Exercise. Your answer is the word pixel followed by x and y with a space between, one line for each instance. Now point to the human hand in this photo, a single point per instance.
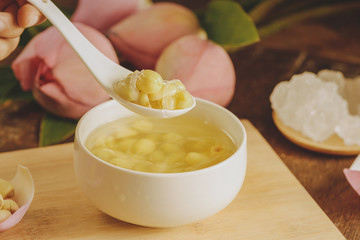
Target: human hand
pixel 15 16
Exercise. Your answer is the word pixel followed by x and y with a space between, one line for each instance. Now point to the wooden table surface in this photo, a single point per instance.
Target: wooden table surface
pixel 331 42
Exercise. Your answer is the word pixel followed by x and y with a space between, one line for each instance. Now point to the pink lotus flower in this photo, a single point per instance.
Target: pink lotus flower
pixel 353 177
pixel 142 36
pixel 105 13
pixel 204 67
pixel 59 80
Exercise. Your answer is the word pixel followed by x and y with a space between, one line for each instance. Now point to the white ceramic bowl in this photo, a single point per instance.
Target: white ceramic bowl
pixel 159 199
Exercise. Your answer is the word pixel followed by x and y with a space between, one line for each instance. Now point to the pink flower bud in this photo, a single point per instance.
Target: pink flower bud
pixel 59 80
pixel 105 13
pixel 142 36
pixel 204 67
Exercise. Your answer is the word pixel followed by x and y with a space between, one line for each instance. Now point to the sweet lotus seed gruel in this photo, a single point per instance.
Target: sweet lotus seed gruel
pixel 148 89
pixel 161 145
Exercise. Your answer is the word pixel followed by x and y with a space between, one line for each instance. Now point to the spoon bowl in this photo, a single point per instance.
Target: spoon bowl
pixel 105 71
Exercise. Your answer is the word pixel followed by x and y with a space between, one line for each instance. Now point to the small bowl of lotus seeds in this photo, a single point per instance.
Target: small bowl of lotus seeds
pixel 8 205
pixel 160 172
pixel 16 196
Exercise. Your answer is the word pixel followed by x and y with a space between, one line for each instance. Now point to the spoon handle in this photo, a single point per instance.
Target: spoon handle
pixel 103 68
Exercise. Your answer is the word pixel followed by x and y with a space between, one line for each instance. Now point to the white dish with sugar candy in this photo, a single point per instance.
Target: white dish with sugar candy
pixel 320 111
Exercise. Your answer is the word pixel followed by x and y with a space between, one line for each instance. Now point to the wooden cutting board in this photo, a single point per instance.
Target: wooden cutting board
pixel 271 205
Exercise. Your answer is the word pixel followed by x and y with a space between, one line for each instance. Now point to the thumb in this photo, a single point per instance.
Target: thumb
pixel 29 16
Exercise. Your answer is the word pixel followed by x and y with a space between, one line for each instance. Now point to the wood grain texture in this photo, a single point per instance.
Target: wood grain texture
pixel 271 205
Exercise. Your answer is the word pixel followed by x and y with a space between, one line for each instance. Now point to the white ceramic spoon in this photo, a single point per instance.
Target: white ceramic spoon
pixel 105 71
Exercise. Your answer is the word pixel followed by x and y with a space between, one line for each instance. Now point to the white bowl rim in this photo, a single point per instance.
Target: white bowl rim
pixel 161 175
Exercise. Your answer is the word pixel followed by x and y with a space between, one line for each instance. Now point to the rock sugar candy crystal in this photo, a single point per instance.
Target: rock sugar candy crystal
pixel 320 105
